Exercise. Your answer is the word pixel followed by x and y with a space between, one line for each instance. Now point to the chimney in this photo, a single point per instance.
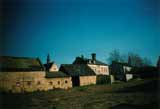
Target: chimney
pixel 82 56
pixel 93 56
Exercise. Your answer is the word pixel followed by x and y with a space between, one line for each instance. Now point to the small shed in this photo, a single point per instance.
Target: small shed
pixel 58 80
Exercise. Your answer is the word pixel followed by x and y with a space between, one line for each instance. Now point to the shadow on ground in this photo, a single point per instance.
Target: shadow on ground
pixel 132 106
pixel 151 86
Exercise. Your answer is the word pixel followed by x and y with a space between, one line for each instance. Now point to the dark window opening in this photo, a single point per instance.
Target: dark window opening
pixel 66 81
pixel 17 83
pixel 38 83
pixel 50 82
pixel 29 83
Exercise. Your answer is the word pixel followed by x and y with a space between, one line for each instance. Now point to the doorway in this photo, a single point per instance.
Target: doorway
pixel 75 81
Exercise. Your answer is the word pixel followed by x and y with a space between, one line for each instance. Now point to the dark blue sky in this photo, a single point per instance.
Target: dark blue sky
pixel 69 28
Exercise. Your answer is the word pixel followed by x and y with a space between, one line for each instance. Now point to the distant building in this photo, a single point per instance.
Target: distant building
pixel 145 72
pixel 121 71
pixel 23 74
pixel 158 64
pixel 50 66
pixel 97 66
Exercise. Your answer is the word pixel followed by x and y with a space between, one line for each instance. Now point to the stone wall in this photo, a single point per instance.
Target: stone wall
pixel 31 81
pixel 103 79
pixel 58 83
pixel 87 80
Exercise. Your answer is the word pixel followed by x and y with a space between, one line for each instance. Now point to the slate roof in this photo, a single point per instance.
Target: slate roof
pixel 80 60
pixel 99 63
pixel 120 63
pixel 146 69
pixel 77 70
pixel 56 74
pixel 8 63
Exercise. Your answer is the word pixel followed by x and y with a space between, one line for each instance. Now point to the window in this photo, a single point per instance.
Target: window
pixel 29 83
pixel 17 83
pixel 38 83
pixel 58 82
pixel 50 82
pixel 66 81
pixel 102 70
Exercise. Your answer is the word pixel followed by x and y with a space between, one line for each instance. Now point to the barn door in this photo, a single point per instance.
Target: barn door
pixel 75 81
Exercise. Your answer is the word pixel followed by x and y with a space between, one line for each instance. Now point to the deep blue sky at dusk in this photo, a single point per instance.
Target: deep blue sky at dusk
pixel 69 28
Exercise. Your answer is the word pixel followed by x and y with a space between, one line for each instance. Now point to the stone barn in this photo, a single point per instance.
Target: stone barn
pixel 81 74
pixel 21 74
pixel 58 80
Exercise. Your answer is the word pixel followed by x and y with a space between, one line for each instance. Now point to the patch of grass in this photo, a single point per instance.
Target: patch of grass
pixel 81 88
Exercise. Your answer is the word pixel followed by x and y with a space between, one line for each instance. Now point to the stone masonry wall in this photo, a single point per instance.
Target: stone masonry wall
pixel 87 80
pixel 31 81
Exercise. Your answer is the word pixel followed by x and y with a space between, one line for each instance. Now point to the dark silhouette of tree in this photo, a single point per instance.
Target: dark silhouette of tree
pixel 116 56
pixel 147 62
pixel 138 61
pixel 132 59
pixel 135 59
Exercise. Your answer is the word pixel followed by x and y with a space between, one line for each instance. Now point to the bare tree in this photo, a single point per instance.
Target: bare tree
pixel 134 59
pixel 138 61
pixel 116 56
pixel 146 62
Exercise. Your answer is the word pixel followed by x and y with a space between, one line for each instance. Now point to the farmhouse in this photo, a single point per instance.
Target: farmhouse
pixel 86 71
pixel 121 71
pixel 23 74
pixel 97 66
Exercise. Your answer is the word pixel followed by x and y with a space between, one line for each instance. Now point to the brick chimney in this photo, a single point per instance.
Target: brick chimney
pixel 93 58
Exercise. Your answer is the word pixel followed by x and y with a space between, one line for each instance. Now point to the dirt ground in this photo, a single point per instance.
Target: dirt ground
pixel 136 94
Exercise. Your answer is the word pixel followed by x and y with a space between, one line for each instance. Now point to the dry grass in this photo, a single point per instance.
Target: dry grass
pixel 90 97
